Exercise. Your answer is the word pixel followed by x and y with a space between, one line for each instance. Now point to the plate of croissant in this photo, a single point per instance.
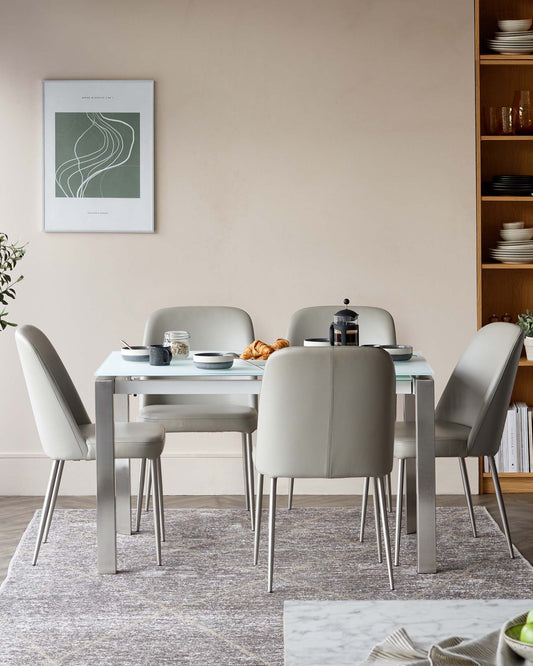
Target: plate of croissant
pixel 261 351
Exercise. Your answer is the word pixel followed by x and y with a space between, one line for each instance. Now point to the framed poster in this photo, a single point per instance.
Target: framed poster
pixel 98 156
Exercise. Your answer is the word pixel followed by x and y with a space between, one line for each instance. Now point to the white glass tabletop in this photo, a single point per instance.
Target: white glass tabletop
pixel 115 366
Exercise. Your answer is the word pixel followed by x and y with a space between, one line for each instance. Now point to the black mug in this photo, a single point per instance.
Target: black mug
pixel 160 355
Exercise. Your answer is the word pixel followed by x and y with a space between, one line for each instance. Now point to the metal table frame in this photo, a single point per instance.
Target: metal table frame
pixel 113 483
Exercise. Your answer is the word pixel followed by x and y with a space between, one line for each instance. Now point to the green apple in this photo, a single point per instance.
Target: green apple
pixel 526 634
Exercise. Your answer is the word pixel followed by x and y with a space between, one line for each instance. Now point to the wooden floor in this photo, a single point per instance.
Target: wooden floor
pixel 16 513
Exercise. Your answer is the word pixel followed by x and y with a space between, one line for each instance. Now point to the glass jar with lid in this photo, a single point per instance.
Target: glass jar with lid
pixel 179 343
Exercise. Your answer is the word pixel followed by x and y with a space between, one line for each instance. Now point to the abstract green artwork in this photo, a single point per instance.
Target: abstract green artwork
pixel 97 155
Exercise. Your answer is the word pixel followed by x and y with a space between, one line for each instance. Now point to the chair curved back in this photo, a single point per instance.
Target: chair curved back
pixel 376 326
pixel 327 413
pixel 56 404
pixel 480 387
pixel 212 328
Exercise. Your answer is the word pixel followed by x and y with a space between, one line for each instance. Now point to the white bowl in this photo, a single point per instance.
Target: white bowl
pixel 316 342
pixel 213 360
pixel 513 225
pixel 517 234
pixel 511 635
pixel 137 353
pixel 514 25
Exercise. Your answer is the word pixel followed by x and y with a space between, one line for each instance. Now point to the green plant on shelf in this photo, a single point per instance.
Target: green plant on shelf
pixel 525 321
pixel 10 255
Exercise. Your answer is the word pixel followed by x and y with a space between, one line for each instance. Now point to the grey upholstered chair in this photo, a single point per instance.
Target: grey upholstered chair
pixel 325 413
pixel 376 327
pixel 470 415
pixel 65 429
pixel 211 328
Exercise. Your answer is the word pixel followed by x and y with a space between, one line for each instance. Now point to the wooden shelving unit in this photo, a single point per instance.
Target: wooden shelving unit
pixel 502 288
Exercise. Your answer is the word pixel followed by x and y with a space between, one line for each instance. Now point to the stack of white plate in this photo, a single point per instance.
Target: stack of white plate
pixel 516 246
pixel 508 43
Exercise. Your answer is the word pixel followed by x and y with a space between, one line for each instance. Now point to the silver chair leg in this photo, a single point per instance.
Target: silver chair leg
pixel 157 509
pixel 161 504
pixel 271 530
pixel 250 478
pixel 258 509
pixel 468 495
pixel 142 476
pixel 364 505
pixel 399 507
pixel 378 526
pixel 501 505
pixel 53 502
pixel 385 524
pixel 290 493
pixel 148 492
pixel 45 509
pixel 245 472
pixel 389 493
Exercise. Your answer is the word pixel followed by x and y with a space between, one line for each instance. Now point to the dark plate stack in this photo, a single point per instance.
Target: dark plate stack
pixel 512 186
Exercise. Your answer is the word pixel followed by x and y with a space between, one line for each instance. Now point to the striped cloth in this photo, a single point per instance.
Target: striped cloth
pixel 488 650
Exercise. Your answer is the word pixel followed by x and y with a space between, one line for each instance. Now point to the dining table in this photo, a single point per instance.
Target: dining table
pixel 117 378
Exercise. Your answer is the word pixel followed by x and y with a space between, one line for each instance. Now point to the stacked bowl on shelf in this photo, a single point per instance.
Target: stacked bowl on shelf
pixel 513 38
pixel 516 246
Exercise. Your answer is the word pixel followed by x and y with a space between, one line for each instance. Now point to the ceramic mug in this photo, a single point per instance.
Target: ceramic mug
pixel 160 355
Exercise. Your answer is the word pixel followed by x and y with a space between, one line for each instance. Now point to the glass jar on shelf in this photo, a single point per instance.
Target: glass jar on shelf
pixel 179 343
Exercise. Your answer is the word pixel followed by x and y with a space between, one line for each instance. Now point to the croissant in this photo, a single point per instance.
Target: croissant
pixel 260 348
pixel 280 344
pixel 247 353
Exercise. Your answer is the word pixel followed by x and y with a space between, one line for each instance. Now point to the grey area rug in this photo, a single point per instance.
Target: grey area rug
pixel 207 604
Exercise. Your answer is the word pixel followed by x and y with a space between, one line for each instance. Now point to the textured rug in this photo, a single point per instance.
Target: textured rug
pixel 207 604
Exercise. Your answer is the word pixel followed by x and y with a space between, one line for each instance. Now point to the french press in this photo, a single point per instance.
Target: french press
pixel 344 331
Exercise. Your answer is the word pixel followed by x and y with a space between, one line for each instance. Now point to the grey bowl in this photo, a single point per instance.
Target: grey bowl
pixel 213 360
pixel 138 353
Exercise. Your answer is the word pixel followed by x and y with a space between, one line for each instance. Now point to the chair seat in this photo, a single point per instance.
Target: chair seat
pixel 450 439
pixel 132 440
pixel 201 418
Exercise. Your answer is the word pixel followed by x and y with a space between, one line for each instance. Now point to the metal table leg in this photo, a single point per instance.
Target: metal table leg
pixel 105 476
pixel 122 472
pixel 425 473
pixel 410 472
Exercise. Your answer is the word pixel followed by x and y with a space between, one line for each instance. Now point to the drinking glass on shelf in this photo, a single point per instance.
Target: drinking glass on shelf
pixel 523 112
pixel 500 120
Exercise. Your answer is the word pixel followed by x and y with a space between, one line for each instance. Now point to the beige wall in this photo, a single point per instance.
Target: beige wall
pixel 306 151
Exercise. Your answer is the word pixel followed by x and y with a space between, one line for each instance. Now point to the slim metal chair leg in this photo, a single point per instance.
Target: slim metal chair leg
pixel 245 472
pixel 399 507
pixel 161 503
pixel 501 505
pixel 157 508
pixel 148 493
pixel 290 493
pixel 271 530
pixel 53 502
pixel 378 526
pixel 385 524
pixel 468 495
pixel 389 493
pixel 363 508
pixel 250 477
pixel 258 509
pixel 142 476
pixel 45 509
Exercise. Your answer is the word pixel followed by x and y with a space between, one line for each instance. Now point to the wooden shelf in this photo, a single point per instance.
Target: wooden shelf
pixel 502 287
pixel 506 137
pixel 507 267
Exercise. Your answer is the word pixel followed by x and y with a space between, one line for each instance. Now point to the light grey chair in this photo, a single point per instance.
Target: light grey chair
pixel 325 413
pixel 65 429
pixel 376 327
pixel 212 328
pixel 470 415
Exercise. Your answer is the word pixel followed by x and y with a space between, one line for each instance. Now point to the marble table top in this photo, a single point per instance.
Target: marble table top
pixel 327 633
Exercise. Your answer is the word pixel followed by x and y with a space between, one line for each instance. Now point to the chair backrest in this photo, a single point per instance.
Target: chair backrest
pixel 327 412
pixel 376 326
pixel 480 387
pixel 212 328
pixel 56 404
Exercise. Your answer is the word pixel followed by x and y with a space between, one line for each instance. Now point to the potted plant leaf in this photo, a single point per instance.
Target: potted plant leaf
pixel 10 255
pixel 525 321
